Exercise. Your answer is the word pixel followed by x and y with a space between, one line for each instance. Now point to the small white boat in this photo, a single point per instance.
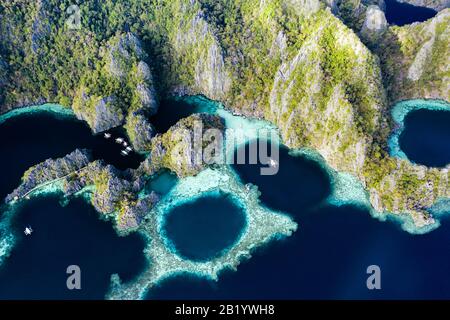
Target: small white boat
pixel 27 197
pixel 119 140
pixel 129 149
pixel 273 163
pixel 107 135
pixel 125 144
pixel 28 231
pixel 124 152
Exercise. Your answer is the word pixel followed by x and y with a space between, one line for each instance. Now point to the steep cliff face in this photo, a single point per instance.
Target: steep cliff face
pixel 103 77
pixel 305 71
pixel 353 12
pixel 112 193
pixel 374 26
pixel 122 84
pixel 416 59
pixel 182 148
pixel 291 62
pixel 194 61
pixel 329 96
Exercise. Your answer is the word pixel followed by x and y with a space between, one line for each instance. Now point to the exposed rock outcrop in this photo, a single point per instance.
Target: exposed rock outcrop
pixel 374 26
pixel 416 59
pixel 181 149
pixel 353 12
pixel 140 131
pixel 51 170
pixel 113 193
pixel 104 108
pixel 100 113
pixel 40 26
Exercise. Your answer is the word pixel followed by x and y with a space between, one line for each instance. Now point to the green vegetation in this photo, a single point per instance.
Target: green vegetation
pixel 303 70
pixel 414 59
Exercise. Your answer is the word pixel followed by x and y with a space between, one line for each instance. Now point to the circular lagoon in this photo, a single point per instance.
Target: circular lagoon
pixel 422 133
pixel 426 137
pixel 204 228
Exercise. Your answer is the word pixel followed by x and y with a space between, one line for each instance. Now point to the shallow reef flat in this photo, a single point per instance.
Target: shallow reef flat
pixel 55 109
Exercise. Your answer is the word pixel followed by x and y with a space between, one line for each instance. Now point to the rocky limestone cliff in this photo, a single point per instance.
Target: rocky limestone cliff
pixel 128 86
pixel 181 148
pixel 195 62
pixel 374 26
pixel 113 193
pixel 293 63
pixel 353 12
pixel 323 88
pixel 416 59
pixel 50 170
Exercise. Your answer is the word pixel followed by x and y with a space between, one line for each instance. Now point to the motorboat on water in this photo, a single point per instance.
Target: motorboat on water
pixel 119 140
pixel 28 231
pixel 125 144
pixel 124 152
pixel 128 149
pixel 107 135
pixel 273 163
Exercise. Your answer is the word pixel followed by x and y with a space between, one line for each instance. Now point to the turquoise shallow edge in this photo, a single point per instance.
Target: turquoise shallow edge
pixel 400 111
pixel 346 189
pixel 56 109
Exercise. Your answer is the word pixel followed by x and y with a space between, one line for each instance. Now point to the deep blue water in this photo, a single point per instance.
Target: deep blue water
pixel 63 236
pixel 328 256
pixel 299 183
pixel 203 229
pixel 426 137
pixel 171 111
pixel 403 13
pixel 31 138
